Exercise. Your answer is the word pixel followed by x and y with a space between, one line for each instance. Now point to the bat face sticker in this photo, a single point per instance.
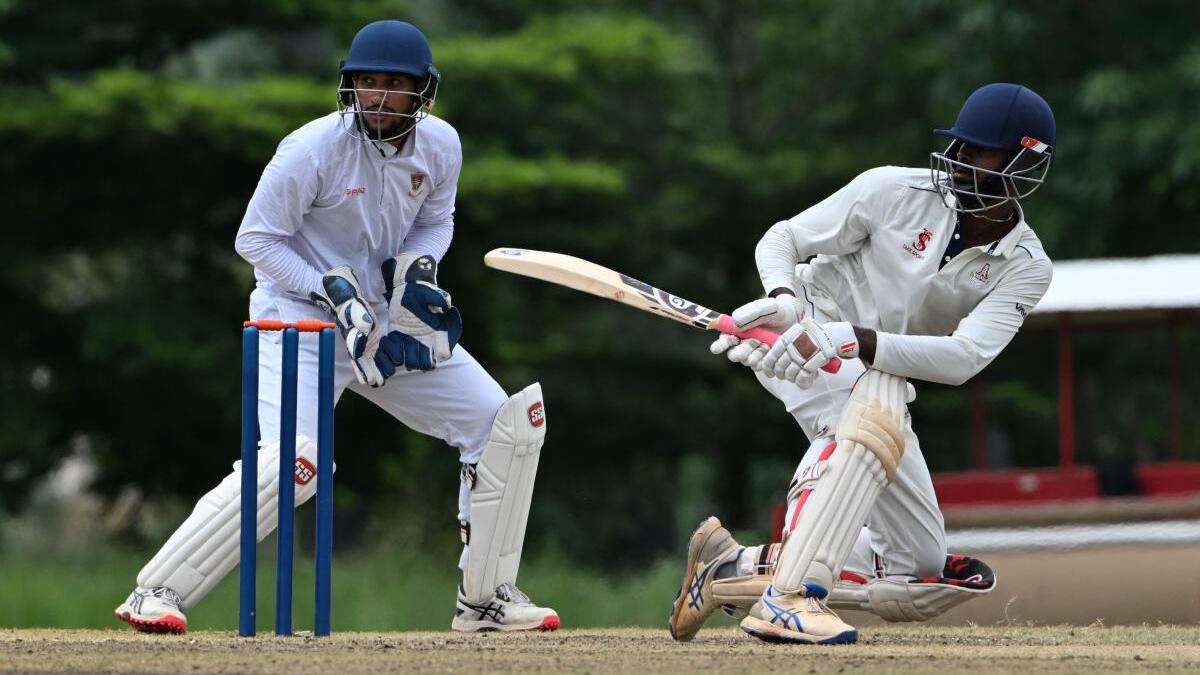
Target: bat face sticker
pixel 668 303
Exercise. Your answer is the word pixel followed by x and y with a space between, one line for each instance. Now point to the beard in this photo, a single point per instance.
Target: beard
pixel 381 126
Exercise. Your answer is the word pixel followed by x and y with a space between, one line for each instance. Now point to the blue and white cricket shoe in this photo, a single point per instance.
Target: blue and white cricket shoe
pixel 798 618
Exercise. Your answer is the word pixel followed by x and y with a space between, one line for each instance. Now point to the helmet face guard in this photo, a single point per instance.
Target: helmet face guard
pixel 986 189
pixel 999 117
pixel 350 105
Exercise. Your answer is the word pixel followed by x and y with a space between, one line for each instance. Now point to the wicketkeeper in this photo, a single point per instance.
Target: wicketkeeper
pixel 903 274
pixel 351 218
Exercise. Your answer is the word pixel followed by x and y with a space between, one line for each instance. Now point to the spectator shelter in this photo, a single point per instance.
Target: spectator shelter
pixel 1088 295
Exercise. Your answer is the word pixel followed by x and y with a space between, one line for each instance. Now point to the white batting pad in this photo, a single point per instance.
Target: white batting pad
pixel 839 491
pixel 889 600
pixel 206 546
pixel 502 492
pixel 901 600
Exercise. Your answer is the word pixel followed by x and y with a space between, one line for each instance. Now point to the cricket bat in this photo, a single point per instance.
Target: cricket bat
pixel 581 275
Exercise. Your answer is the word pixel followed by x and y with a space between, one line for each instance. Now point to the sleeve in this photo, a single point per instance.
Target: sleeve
pixel 285 193
pixel 977 340
pixel 433 228
pixel 838 224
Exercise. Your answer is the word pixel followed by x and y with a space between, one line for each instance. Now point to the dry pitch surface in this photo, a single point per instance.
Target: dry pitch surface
pixel 900 649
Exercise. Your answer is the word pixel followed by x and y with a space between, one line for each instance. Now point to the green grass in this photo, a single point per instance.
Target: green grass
pixel 377 591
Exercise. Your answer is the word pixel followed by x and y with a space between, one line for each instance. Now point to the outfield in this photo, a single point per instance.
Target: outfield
pixel 888 649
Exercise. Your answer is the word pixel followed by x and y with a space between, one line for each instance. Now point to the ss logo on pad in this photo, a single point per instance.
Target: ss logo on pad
pixel 537 414
pixel 304 471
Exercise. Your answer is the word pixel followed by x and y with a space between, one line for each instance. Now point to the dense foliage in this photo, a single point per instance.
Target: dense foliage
pixel 657 138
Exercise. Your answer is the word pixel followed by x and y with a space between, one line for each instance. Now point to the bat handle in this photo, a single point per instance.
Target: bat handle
pixel 725 324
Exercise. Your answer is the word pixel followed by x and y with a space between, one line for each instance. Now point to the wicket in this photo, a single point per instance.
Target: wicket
pixel 287 462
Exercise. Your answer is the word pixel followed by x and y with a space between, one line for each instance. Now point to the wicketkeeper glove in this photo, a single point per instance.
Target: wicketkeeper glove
pixel 343 298
pixel 423 325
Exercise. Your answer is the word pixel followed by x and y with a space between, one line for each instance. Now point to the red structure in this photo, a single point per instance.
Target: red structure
pixel 1090 295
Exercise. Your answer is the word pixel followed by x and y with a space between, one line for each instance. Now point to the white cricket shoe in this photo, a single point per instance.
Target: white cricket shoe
pixel 153 610
pixel 508 610
pixel 799 618
pixel 711 546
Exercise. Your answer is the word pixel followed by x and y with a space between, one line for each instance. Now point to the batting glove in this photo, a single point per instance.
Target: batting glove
pixel 785 361
pixel 343 297
pixel 748 352
pixel 424 326
pixel 778 313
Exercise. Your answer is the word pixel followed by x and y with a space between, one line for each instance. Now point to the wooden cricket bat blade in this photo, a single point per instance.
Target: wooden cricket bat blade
pixel 582 275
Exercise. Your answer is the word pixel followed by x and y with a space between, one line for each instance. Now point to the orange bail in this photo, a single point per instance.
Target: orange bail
pixel 303 325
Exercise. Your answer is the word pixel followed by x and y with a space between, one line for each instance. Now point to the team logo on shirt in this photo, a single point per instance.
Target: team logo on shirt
pixel 417 180
pixel 981 274
pixel 355 191
pixel 921 242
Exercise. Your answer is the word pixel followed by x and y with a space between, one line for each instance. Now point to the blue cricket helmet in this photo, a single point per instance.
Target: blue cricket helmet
pixel 998 116
pixel 387 46
pixel 390 47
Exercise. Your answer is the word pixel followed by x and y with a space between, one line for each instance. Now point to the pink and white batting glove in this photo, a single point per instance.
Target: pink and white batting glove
pixel 748 352
pixel 778 313
pixel 784 360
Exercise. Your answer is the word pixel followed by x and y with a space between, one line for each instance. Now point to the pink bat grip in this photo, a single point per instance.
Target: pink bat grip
pixel 725 324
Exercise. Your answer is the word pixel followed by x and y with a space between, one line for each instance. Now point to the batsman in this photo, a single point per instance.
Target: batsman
pixel 351 218
pixel 904 274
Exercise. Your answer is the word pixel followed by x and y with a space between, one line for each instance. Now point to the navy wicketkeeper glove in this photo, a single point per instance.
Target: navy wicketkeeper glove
pixel 423 325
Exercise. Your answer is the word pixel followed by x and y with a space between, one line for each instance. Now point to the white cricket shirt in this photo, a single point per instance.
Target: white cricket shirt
pixel 880 244
pixel 328 199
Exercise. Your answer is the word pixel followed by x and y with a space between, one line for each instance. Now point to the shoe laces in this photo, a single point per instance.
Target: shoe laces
pixel 168 596
pixel 509 592
pixel 816 606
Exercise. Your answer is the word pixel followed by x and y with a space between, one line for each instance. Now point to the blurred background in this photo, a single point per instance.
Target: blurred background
pixel 657 138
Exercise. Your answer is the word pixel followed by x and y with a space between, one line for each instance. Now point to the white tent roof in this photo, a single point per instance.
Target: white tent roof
pixel 1123 284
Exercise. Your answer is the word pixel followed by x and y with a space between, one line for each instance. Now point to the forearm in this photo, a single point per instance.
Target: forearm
pixel 272 256
pixel 866 344
pixel 431 239
pixel 951 359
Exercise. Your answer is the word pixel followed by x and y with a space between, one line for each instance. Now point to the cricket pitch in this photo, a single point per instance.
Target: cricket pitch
pixel 881 649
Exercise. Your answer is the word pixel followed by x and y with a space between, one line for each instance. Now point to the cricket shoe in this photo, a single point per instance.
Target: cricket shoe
pixel 153 610
pixel 799 618
pixel 508 610
pixel 711 546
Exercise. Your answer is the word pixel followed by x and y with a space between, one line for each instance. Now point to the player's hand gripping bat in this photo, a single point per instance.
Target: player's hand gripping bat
pixel 589 277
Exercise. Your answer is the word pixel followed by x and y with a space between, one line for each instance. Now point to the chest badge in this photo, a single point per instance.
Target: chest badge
pixel 980 276
pixel 917 248
pixel 417 181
